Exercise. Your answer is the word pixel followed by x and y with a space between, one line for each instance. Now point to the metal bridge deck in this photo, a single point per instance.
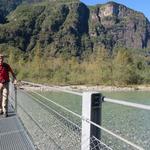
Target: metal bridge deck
pixel 13 135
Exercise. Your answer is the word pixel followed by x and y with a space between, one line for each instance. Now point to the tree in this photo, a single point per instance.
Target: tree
pixel 36 64
pixel 124 69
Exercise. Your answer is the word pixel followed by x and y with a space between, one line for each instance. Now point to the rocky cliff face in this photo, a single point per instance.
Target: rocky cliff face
pixel 73 29
pixel 116 25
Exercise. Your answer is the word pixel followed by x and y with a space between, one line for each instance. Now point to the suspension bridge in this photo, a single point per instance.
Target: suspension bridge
pixel 37 122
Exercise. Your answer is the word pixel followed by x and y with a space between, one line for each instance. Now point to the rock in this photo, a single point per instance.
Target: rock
pixel 72 29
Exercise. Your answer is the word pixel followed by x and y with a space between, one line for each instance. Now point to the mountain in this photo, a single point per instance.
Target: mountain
pixel 116 25
pixel 6 6
pixel 71 28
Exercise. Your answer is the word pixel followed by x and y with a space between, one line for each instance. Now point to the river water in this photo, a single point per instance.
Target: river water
pixel 130 123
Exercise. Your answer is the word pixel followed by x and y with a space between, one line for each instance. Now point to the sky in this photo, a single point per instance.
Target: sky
pixel 138 5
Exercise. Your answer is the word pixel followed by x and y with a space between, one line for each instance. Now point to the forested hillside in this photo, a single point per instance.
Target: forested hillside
pixel 69 42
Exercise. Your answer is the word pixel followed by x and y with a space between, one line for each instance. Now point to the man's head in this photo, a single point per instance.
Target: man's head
pixel 1 58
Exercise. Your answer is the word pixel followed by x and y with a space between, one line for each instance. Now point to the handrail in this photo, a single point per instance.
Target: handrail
pixel 130 104
pixel 121 102
pixel 98 126
pixel 13 90
pixel 52 87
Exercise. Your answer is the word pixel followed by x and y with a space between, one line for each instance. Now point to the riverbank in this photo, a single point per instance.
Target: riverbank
pixel 106 88
pixel 81 88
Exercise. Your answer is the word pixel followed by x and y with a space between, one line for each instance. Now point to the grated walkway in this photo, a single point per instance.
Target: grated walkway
pixel 13 135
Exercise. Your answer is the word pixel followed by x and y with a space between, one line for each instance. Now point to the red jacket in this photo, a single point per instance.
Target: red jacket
pixel 4 73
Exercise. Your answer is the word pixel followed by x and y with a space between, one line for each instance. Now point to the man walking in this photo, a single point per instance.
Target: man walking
pixel 4 85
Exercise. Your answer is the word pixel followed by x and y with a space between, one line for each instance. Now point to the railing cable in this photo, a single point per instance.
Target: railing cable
pixel 87 120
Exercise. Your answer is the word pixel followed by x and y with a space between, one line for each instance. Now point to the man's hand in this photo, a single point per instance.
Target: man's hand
pixel 1 86
pixel 15 82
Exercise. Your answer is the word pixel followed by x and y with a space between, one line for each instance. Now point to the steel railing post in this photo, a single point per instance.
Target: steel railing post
pixel 91 110
pixel 15 88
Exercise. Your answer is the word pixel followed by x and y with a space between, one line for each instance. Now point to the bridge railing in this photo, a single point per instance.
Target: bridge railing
pixel 12 97
pixel 63 127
